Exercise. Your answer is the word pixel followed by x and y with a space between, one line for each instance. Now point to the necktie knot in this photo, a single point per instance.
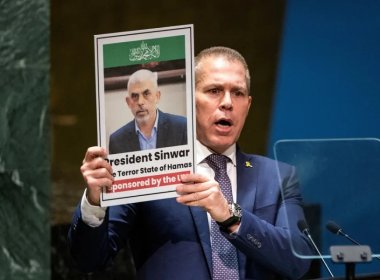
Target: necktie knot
pixel 217 162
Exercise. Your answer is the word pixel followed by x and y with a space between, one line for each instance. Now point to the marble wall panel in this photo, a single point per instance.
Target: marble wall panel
pixel 24 140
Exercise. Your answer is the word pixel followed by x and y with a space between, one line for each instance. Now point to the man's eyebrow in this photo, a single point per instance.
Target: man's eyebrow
pixel 221 85
pixel 240 88
pixel 144 91
pixel 214 85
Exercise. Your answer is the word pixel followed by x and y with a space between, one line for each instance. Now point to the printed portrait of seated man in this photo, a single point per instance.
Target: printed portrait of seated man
pixel 151 127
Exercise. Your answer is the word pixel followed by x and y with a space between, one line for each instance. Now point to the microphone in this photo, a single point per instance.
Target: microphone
pixel 336 229
pixel 304 228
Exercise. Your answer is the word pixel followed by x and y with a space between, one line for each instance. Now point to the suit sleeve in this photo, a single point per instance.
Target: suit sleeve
pixel 92 248
pixel 271 245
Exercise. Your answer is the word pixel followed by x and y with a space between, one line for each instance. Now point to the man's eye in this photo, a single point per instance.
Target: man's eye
pixel 146 93
pixel 239 93
pixel 214 90
pixel 135 96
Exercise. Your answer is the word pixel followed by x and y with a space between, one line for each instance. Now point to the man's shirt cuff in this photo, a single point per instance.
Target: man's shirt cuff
pixel 91 215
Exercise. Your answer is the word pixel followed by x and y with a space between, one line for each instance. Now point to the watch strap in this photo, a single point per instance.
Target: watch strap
pixel 235 218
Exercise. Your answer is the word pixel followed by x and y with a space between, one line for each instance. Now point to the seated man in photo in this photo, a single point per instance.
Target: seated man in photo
pixel 151 128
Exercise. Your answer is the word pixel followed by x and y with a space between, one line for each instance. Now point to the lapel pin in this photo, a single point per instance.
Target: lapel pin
pixel 248 164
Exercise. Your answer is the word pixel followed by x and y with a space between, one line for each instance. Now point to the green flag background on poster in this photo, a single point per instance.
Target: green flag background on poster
pixel 144 51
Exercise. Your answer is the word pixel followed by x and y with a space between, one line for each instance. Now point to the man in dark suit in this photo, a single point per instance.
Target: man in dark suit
pixel 256 223
pixel 151 128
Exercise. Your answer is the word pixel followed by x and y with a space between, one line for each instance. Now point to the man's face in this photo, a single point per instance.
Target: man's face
pixel 222 102
pixel 143 99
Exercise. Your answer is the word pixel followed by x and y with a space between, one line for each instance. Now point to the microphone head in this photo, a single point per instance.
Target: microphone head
pixel 302 225
pixel 333 227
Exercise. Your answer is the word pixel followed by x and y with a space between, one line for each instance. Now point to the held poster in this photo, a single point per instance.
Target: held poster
pixel 147 157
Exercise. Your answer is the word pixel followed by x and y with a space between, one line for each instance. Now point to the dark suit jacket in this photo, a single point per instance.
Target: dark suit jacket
pixel 172 241
pixel 171 131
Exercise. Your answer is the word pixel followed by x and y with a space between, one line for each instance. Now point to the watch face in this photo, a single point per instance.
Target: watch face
pixel 235 210
pixel 235 218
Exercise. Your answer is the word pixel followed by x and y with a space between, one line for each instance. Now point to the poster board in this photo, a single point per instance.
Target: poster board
pixel 151 173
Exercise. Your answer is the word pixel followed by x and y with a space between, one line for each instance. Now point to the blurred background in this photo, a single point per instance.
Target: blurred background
pixel 314 67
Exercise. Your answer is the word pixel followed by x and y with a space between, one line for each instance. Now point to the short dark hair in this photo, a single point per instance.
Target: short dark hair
pixel 227 53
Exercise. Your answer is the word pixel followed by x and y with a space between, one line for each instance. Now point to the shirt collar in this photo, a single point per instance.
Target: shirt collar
pixel 203 152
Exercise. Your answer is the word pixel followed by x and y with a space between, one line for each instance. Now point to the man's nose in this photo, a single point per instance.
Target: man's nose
pixel 226 102
pixel 140 100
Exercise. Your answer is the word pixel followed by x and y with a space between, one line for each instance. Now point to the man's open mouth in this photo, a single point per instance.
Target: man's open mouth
pixel 224 122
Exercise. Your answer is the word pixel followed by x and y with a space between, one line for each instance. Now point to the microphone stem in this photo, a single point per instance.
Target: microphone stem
pixel 319 253
pixel 354 241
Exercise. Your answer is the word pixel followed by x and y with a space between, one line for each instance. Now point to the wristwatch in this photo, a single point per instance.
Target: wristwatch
pixel 236 213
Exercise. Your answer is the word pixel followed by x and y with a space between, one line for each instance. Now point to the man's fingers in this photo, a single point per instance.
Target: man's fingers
pixel 194 183
pixel 96 163
pixel 97 173
pixel 195 194
pixel 99 163
pixel 99 183
pixel 195 187
pixel 193 197
pixel 192 188
pixel 94 152
pixel 194 178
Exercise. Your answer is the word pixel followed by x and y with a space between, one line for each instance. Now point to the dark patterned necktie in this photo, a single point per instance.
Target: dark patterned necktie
pixel 224 254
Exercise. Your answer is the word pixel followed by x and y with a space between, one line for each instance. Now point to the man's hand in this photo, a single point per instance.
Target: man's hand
pixel 199 190
pixel 96 172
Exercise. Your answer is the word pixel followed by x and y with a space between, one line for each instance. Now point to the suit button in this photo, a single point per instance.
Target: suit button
pixel 255 242
pixel 249 237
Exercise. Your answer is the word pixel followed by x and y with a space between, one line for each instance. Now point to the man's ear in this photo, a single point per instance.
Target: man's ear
pixel 250 102
pixel 128 100
pixel 158 95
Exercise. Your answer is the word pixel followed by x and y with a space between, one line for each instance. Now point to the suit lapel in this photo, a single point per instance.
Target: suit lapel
pixel 203 230
pixel 247 176
pixel 133 143
pixel 162 132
